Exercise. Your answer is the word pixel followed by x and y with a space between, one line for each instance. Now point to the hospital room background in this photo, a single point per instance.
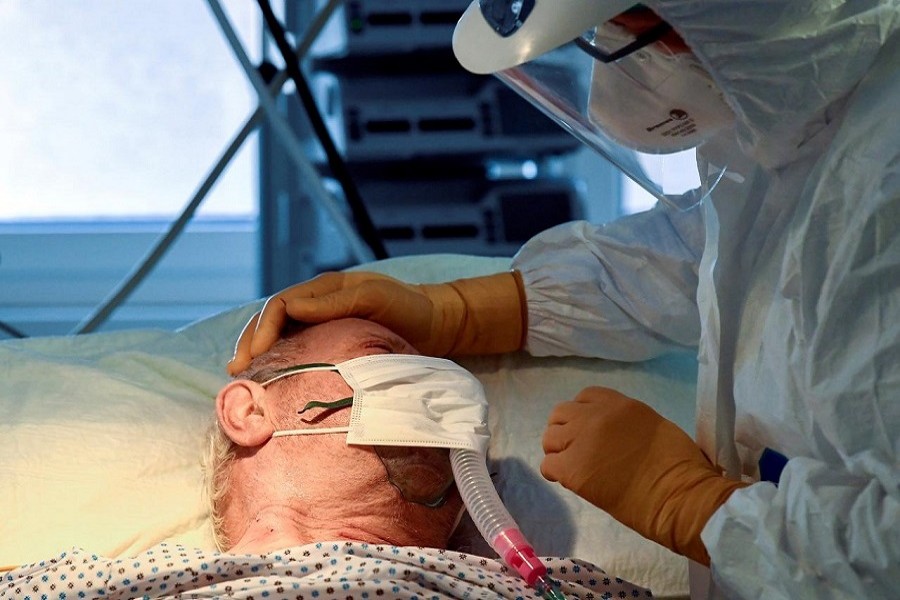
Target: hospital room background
pixel 147 187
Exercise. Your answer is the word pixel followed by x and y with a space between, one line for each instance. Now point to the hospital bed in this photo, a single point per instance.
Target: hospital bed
pixel 100 438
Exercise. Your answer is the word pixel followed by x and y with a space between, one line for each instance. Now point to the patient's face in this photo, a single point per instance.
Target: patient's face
pixel 343 339
pixel 324 467
pixel 331 342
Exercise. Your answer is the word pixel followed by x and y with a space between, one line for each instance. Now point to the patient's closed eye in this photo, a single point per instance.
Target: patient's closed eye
pixel 380 346
pixel 377 345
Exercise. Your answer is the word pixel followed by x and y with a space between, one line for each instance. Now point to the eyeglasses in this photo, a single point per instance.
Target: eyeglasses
pixel 422 475
pixel 654 34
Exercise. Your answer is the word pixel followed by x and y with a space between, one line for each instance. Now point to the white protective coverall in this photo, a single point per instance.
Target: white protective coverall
pixel 787 278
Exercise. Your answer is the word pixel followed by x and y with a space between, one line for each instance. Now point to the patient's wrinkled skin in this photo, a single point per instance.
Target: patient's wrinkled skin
pixel 293 490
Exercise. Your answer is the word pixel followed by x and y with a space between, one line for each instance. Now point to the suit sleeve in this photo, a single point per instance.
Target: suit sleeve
pixel 621 291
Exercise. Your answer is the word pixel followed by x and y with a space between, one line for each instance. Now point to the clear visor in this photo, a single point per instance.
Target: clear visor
pixel 633 101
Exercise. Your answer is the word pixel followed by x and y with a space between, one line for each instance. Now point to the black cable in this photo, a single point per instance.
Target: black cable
pixel 338 167
pixel 12 330
pixel 139 272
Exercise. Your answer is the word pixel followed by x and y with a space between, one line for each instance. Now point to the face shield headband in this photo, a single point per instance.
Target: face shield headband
pixel 642 104
pixel 412 409
pixel 505 17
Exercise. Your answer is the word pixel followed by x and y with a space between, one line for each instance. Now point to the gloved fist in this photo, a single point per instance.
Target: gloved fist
pixel 482 315
pixel 622 456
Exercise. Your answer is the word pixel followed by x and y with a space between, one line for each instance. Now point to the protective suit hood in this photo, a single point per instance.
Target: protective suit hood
pixel 783 66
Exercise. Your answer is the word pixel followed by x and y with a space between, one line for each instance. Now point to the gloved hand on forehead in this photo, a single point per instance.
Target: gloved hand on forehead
pixel 481 315
pixel 625 458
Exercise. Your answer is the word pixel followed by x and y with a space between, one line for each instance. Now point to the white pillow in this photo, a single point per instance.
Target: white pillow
pixel 101 437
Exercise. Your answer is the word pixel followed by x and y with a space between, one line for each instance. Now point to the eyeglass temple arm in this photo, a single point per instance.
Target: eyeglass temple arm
pixel 644 39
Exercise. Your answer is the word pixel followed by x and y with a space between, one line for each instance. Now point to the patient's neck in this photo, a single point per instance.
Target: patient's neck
pixel 319 488
pixel 275 527
pixel 376 513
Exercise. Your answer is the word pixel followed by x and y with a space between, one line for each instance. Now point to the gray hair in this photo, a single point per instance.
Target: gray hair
pixel 218 455
pixel 219 451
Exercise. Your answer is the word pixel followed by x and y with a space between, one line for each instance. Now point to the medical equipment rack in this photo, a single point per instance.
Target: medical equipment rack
pixel 392 95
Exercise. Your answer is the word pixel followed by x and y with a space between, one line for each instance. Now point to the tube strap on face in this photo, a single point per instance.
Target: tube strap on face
pixel 342 403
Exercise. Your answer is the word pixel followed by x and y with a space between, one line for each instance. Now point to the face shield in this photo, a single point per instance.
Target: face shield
pixel 623 89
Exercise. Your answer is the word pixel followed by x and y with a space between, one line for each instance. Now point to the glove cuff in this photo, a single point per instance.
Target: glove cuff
pixel 695 509
pixel 480 315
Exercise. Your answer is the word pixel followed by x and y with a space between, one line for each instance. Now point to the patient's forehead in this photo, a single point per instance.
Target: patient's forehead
pixel 343 339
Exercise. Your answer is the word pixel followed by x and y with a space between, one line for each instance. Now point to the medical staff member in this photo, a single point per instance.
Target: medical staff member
pixel 782 268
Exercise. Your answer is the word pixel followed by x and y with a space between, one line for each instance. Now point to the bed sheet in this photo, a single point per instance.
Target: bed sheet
pixel 100 442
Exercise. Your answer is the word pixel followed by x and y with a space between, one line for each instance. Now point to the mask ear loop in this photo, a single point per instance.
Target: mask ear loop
pixel 295 369
pixel 335 404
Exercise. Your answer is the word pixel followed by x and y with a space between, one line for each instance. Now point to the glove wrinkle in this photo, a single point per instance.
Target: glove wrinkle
pixel 646 472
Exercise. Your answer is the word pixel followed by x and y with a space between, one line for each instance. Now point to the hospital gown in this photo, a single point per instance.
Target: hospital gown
pixel 324 571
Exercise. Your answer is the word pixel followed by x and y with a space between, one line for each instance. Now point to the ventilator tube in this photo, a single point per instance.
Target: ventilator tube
pixel 495 523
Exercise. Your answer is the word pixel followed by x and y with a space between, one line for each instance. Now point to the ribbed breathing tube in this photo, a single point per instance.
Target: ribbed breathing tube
pixel 495 523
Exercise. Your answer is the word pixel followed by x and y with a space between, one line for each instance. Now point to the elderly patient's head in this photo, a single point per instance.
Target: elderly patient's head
pixel 273 492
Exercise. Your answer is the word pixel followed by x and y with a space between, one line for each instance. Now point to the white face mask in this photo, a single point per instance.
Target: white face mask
pixel 407 400
pixel 654 101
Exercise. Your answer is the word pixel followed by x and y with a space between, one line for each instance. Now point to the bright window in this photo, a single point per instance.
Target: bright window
pixel 117 109
pixel 112 112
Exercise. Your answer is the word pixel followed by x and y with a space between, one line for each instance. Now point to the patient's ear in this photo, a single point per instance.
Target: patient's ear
pixel 241 413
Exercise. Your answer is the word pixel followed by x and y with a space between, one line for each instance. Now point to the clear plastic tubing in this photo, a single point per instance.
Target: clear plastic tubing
pixel 495 523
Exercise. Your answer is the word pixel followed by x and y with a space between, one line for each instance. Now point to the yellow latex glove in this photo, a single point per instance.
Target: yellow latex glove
pixel 481 315
pixel 622 456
